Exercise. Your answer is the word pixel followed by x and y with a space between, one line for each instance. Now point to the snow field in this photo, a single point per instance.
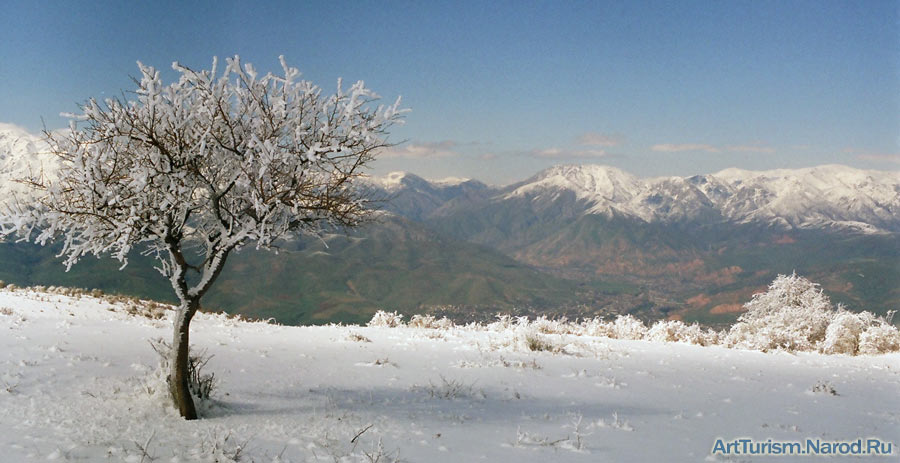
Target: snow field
pixel 78 382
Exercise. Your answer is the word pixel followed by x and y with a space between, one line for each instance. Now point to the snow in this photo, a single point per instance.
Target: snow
pixel 829 196
pixel 395 181
pixel 450 181
pixel 390 182
pixel 592 182
pixel 78 382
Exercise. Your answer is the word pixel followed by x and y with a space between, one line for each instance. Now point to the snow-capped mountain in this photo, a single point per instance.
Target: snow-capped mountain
pixel 396 181
pixel 22 155
pixel 413 197
pixel 817 197
pixel 830 196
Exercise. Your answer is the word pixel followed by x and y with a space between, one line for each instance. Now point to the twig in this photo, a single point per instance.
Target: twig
pixel 353 441
pixel 145 454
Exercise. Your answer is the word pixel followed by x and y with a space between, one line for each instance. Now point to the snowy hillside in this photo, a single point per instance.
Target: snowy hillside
pixel 78 383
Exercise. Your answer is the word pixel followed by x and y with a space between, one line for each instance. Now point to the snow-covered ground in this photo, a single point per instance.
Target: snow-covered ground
pixel 78 382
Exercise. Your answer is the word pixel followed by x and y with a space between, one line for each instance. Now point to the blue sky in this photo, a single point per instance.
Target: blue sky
pixel 500 90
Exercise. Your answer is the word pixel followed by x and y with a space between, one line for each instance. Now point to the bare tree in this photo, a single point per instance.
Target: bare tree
pixel 192 170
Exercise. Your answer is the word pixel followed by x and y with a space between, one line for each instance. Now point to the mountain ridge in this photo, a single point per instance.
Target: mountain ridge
pixel 827 196
pixel 830 196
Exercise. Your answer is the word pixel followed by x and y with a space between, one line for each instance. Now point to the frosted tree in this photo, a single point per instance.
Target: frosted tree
pixel 190 171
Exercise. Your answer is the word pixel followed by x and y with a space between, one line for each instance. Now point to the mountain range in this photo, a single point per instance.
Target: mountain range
pixel 575 240
pixel 824 197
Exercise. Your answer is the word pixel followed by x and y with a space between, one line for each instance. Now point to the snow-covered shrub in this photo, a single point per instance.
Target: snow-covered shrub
pixel 202 385
pixel 792 315
pixel 694 334
pixel 386 319
pixel 678 331
pixel 356 337
pixel 665 331
pixel 795 315
pixel 544 325
pixel 505 322
pixel 535 342
pixel 450 389
pixel 629 327
pixel 522 334
pixel 879 338
pixel 597 327
pixel 147 309
pixel 842 334
pixel 429 321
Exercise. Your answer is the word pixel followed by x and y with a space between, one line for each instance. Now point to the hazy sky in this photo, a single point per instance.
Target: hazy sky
pixel 499 90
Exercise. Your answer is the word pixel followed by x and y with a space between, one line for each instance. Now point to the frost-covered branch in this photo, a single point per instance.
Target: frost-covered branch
pixel 213 161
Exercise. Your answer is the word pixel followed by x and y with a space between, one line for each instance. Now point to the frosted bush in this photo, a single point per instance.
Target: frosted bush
pixel 666 331
pixel 535 342
pixel 629 327
pixel 547 326
pixel 522 335
pixel 792 315
pixel 694 334
pixel 597 327
pixel 386 319
pixel 842 334
pixel 429 321
pixel 505 322
pixel 880 338
pixel 201 385
pixel 795 315
pixel 421 321
pixel 678 331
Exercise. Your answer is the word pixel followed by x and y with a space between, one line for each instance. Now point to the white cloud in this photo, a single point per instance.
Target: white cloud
pixel 750 149
pixel 877 157
pixel 549 153
pixel 558 153
pixel 421 150
pixel 590 153
pixel 599 139
pixel 677 148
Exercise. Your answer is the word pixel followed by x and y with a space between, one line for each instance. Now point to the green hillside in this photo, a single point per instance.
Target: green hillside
pixel 696 271
pixel 393 265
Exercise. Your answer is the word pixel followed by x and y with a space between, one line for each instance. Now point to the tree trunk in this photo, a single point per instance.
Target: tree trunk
pixel 179 375
pixel 178 361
